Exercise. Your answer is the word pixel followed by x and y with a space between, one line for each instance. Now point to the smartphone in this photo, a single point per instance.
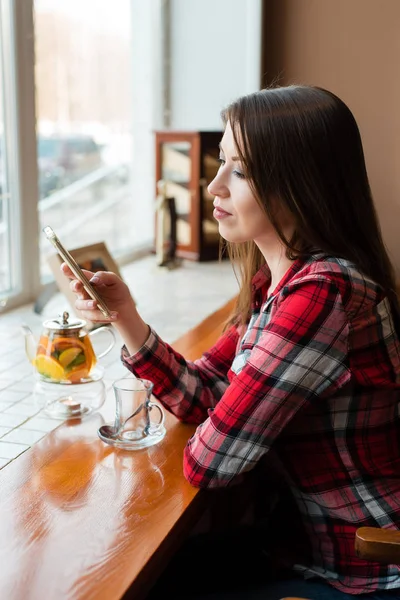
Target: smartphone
pixel 77 271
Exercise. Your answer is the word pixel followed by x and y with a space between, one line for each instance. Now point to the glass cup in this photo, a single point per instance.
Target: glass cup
pixel 134 427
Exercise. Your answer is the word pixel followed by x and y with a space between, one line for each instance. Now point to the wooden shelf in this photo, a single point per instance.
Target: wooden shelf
pixel 187 161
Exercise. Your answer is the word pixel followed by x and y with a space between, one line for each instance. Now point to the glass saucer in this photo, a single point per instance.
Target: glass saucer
pixel 105 433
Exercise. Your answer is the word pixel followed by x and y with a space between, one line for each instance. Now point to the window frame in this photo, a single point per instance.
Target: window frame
pixel 16 24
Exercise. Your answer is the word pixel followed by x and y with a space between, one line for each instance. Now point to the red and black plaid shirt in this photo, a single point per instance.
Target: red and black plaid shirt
pixel 315 378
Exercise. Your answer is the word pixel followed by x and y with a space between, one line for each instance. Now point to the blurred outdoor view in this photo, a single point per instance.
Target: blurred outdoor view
pixel 83 107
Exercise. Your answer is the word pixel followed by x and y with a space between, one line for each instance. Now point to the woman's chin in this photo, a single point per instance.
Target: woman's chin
pixel 230 236
pixel 234 240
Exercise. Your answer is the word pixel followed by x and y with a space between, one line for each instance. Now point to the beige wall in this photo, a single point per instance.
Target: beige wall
pixel 351 47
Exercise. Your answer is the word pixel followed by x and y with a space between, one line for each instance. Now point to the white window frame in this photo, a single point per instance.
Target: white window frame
pixel 19 99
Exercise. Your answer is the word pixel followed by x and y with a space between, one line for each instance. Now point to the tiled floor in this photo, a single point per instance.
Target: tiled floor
pixel 172 301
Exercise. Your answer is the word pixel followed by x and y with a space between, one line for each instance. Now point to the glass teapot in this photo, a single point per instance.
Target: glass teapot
pixel 64 353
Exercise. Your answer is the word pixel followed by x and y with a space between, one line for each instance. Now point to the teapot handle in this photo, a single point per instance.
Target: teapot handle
pixel 112 343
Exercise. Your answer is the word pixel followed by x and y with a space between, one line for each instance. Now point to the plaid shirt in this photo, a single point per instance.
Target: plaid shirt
pixel 315 378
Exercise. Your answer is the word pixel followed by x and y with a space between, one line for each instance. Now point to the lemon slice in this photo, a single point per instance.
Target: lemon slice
pixel 67 356
pixel 47 366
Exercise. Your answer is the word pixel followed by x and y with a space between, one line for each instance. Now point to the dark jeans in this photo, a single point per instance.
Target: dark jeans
pixel 233 565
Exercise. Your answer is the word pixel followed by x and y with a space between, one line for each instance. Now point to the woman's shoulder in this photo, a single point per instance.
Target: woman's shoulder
pixel 343 276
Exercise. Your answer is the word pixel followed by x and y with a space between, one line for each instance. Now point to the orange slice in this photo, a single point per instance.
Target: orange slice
pixel 63 343
pixel 47 366
pixel 44 341
pixel 67 356
pixel 41 349
pixel 77 374
pixel 43 345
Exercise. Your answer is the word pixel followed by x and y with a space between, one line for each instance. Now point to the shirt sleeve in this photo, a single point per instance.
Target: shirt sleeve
pixel 300 357
pixel 185 388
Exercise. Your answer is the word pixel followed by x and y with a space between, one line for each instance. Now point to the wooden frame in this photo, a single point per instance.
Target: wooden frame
pixel 185 172
pixel 94 257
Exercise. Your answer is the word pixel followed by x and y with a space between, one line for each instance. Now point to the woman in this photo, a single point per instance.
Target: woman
pixel 303 386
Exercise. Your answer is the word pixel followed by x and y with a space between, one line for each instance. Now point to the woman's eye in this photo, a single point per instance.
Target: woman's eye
pixel 236 173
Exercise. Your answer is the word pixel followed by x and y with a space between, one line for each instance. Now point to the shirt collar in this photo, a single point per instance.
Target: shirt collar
pixel 262 279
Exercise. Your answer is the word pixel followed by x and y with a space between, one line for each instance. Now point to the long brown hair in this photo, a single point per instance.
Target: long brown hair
pixel 301 145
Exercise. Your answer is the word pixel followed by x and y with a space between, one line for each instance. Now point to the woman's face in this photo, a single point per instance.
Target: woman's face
pixel 238 213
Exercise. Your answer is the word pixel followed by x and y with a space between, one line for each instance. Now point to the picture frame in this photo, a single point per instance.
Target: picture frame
pixel 93 257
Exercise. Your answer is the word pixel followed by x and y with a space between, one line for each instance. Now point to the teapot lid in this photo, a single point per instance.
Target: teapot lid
pixel 63 323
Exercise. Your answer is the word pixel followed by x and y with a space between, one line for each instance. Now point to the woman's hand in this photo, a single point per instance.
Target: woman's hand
pixel 119 301
pixel 109 286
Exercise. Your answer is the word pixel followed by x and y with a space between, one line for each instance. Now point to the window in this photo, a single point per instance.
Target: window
pixel 69 129
pixel 83 111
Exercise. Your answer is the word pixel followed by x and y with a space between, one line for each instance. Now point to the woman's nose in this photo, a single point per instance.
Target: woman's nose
pixel 216 187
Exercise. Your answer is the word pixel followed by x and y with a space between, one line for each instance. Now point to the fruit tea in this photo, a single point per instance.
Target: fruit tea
pixel 65 358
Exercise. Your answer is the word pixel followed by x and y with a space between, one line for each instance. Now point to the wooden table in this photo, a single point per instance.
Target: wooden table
pixel 80 520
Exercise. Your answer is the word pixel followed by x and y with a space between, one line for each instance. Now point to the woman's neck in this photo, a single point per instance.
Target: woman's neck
pixel 278 264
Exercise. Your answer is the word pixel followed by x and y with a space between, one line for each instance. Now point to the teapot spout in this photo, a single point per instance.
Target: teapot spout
pixel 30 343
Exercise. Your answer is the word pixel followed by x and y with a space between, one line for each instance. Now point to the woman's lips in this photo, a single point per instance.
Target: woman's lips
pixel 219 214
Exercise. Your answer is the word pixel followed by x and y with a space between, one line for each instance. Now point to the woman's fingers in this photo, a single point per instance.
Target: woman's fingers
pixel 88 310
pixel 104 278
pixel 85 304
pixel 96 316
pixel 67 271
pixel 76 286
pixel 98 279
pixel 109 286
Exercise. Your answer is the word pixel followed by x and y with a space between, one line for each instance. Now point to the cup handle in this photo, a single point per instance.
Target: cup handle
pixel 154 428
pixel 112 343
